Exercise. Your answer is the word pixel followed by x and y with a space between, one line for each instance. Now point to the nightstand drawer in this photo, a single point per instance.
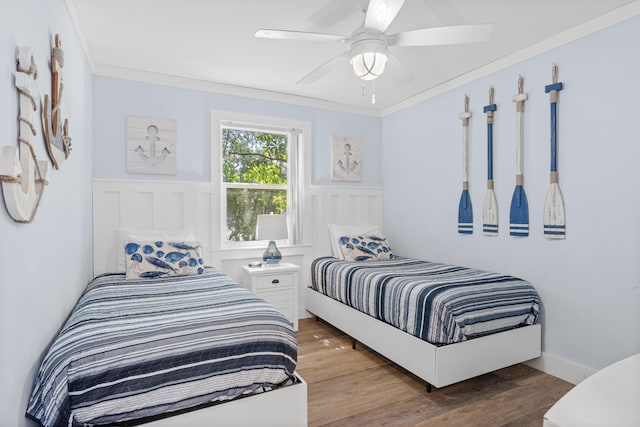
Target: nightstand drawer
pixel 274 281
pixel 277 285
pixel 281 300
pixel 278 299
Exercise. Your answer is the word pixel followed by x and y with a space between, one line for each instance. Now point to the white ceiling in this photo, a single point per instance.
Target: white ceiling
pixel 213 41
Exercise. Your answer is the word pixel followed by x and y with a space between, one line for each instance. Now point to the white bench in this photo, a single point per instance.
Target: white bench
pixel 610 397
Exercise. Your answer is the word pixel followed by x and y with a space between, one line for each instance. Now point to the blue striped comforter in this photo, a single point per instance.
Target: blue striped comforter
pixel 439 303
pixel 139 348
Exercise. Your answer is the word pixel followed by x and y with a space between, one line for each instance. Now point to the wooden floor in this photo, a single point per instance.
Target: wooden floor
pixel 359 388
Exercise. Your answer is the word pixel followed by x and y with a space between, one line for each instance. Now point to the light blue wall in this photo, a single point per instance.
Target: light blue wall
pixel 590 282
pixel 44 265
pixel 115 99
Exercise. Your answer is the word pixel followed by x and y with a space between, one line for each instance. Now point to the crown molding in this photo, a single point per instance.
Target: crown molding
pixel 607 20
pixel 71 10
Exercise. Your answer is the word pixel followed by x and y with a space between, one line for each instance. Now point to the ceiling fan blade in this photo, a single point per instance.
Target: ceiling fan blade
pixel 399 70
pixel 381 13
pixel 298 35
pixel 324 69
pixel 455 34
pixel 334 12
pixel 445 12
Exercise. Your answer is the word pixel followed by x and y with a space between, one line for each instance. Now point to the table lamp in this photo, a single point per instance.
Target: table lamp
pixel 271 228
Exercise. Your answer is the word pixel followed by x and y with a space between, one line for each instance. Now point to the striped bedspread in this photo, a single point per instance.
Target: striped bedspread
pixel 139 348
pixel 439 303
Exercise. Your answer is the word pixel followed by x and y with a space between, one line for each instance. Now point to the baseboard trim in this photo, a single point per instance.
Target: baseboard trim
pixel 561 368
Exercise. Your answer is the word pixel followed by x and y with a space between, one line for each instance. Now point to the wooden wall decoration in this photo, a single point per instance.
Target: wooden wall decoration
pixel 22 175
pixel 151 145
pixel 554 217
pixel 56 134
pixel 490 214
pixel 346 159
pixel 465 210
pixel 519 213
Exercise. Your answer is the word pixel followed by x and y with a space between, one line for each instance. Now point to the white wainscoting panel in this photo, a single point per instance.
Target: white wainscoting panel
pixel 161 205
pixel 171 205
pixel 344 206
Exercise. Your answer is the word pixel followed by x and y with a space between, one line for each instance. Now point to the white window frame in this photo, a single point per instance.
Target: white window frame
pixel 299 133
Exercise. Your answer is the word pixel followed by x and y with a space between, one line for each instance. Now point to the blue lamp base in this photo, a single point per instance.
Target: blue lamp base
pixel 272 255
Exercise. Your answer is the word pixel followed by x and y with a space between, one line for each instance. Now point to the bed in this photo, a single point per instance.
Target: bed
pixel 136 350
pixel 441 322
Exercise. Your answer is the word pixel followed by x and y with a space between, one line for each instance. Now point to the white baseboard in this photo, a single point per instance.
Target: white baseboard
pixel 561 368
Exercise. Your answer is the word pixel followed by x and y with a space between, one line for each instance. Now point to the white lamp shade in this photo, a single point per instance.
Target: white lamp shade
pixel 368 59
pixel 272 227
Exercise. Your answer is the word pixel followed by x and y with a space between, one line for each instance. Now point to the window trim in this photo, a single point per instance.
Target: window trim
pixel 299 134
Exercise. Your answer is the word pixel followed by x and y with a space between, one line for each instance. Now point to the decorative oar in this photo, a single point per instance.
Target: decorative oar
pixel 465 211
pixel 490 214
pixel 554 221
pixel 519 214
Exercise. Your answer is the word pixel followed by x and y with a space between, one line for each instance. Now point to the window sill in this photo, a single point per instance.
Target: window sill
pixel 257 251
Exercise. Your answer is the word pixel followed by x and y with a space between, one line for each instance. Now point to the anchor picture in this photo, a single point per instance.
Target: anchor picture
pixel 349 165
pixel 153 141
pixel 151 145
pixel 346 159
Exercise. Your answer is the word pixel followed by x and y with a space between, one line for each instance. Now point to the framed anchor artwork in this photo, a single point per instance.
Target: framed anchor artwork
pixel 346 159
pixel 151 145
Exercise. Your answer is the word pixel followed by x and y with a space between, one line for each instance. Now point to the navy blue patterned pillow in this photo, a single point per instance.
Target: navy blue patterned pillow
pixel 365 248
pixel 145 260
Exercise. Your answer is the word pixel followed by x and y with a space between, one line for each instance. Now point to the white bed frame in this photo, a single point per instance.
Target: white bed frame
pixel 438 366
pixel 172 205
pixel 283 407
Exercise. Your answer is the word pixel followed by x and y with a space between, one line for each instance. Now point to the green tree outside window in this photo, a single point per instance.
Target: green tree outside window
pixel 254 170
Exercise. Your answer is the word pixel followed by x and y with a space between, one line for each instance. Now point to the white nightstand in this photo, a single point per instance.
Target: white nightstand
pixel 276 284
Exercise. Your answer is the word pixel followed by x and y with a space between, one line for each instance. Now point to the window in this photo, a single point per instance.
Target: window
pixel 254 177
pixel 257 163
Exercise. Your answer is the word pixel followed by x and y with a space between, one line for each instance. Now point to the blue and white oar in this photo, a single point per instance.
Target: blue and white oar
pixel 490 214
pixel 519 214
pixel 465 211
pixel 554 220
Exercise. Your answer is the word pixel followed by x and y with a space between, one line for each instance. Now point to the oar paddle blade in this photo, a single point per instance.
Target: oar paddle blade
pixel 465 214
pixel 554 223
pixel 490 217
pixel 519 214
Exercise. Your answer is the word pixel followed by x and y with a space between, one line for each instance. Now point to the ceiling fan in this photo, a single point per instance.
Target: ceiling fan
pixel 369 44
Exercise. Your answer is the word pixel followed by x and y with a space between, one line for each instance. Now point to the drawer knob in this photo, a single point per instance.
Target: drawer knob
pixel 275 281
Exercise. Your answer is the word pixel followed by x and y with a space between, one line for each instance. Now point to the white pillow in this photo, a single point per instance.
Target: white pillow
pixel 132 234
pixel 148 260
pixel 365 248
pixel 336 231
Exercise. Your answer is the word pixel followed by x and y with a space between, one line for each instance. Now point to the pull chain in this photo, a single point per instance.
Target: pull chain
pixel 373 91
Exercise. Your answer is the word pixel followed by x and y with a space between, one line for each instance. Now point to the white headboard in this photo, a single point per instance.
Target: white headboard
pixel 171 205
pixel 163 205
pixel 345 206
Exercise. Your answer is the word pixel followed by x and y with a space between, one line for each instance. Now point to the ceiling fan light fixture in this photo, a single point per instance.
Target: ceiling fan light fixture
pixel 369 59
